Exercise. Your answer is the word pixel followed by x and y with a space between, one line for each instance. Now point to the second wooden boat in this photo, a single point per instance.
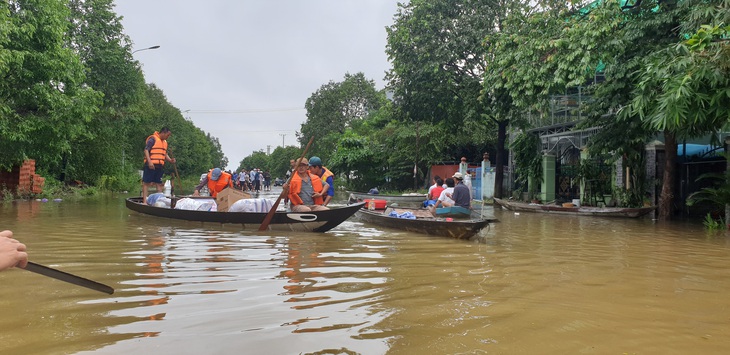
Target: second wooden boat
pixel 424 222
pixel 625 212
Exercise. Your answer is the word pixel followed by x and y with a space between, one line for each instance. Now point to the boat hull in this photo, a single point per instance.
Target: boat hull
pixel 411 201
pixel 452 228
pixel 316 221
pixel 576 211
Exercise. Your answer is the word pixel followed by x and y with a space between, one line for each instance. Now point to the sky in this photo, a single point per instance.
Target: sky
pixel 242 70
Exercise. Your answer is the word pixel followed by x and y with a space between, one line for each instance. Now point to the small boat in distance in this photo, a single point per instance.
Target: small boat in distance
pixel 408 200
pixel 316 221
pixel 625 212
pixel 424 222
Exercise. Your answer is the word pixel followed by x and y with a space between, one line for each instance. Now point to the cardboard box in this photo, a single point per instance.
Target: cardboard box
pixel 229 196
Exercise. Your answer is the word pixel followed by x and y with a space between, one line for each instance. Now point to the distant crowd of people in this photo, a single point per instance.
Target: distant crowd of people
pixel 253 180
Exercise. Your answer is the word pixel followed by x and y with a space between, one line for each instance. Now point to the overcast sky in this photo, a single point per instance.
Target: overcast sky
pixel 243 69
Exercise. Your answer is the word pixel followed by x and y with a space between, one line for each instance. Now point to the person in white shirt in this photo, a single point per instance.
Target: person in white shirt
pixel 444 199
pixel 436 178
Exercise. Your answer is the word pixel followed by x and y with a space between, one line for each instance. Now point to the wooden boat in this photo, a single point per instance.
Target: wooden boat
pixel 412 200
pixel 625 212
pixel 425 222
pixel 317 221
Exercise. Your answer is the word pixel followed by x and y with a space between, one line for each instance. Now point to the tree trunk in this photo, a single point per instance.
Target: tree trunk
pixel 498 160
pixel 666 198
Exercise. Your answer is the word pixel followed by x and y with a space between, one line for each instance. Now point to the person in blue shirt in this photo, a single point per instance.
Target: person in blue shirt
pixel 461 194
pixel 315 167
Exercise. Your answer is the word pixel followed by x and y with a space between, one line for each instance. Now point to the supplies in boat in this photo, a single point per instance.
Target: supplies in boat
pixel 159 200
pixel 209 204
pixel 197 204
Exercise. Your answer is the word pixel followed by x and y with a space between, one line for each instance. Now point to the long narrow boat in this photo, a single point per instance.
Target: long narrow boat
pixel 424 222
pixel 317 221
pixel 409 200
pixel 625 212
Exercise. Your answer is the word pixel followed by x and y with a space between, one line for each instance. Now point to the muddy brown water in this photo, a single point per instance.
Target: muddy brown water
pixel 532 284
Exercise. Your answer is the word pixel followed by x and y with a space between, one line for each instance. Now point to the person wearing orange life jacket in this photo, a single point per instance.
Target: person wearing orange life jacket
pixel 328 178
pixel 216 180
pixel 305 190
pixel 155 155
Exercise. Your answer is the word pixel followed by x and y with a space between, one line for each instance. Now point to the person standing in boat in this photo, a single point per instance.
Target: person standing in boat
pixel 155 155
pixel 461 194
pixel 217 180
pixel 12 252
pixel 305 190
pixel 328 178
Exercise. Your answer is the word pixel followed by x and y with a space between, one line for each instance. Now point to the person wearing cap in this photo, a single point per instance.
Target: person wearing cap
pixel 217 180
pixel 305 189
pixel 328 178
pixel 461 194
pixel 155 155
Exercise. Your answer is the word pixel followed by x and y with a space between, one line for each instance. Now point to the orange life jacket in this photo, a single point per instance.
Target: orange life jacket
pixel 295 187
pixel 158 151
pixel 217 186
pixel 327 173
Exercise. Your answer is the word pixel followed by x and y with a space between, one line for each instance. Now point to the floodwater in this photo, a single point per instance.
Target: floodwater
pixel 531 284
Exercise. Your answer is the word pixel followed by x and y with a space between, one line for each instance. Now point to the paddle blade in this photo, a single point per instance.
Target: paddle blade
pixel 70 278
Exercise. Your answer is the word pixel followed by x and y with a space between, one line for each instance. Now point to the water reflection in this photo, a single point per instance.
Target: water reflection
pixel 534 285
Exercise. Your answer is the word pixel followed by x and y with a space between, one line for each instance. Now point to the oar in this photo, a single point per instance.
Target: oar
pixel 70 278
pixel 272 211
pixel 174 165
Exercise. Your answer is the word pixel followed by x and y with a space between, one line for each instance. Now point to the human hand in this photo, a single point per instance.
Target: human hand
pixel 151 165
pixel 12 252
pixel 196 193
pixel 172 160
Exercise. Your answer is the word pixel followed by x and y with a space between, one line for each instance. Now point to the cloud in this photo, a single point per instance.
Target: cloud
pixel 241 67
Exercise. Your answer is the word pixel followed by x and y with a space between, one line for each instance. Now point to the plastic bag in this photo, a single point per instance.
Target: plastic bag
pixel 404 215
pixel 251 205
pixel 151 199
pixel 208 205
pixel 163 202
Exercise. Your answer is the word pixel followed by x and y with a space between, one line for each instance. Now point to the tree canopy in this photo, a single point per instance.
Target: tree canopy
pixel 74 99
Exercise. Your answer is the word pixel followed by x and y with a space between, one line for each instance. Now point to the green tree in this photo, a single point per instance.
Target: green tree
pixel 439 59
pixel 195 151
pixel 256 160
pixel 683 88
pixel 358 161
pixel 333 108
pixel 97 38
pixel 44 104
pixel 279 160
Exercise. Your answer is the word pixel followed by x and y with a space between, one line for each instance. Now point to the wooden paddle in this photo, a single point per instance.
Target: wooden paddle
pixel 272 211
pixel 70 278
pixel 174 165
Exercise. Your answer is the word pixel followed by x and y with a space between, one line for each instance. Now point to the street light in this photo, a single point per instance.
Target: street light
pixel 144 49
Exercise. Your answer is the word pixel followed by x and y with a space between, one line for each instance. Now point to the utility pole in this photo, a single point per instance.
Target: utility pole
pixel 282 139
